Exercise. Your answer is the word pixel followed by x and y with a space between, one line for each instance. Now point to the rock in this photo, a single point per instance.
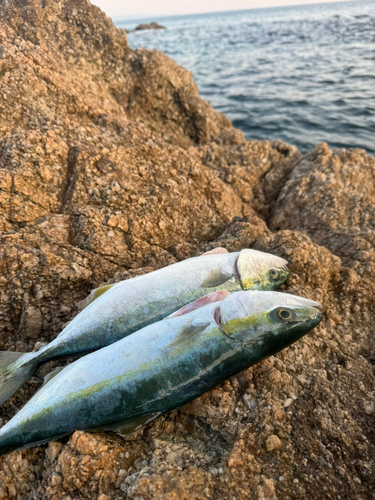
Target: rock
pixel 330 196
pixel 151 26
pixel 273 443
pixel 266 490
pixel 31 322
pixel 112 166
pixel 53 450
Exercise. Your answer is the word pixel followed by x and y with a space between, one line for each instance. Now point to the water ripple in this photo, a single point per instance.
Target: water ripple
pixel 301 74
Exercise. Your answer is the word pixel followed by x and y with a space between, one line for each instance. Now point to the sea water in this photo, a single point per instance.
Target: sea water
pixel 302 74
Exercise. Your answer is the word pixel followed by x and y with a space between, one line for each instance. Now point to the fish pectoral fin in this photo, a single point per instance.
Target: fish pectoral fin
pixel 186 332
pixel 216 277
pixel 210 298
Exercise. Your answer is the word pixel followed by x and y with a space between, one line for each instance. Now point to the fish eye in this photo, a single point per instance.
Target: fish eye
pixel 274 274
pixel 284 314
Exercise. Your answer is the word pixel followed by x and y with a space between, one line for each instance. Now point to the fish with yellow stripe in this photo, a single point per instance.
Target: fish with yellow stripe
pixel 118 310
pixel 162 367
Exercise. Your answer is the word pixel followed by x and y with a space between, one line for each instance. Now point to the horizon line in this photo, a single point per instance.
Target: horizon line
pixel 146 16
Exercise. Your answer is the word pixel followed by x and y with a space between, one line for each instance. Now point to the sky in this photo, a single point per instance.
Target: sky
pixel 160 8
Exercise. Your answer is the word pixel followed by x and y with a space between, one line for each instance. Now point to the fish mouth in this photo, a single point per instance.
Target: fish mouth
pixel 319 315
pixel 314 305
pixel 313 315
pixel 295 300
pixel 316 318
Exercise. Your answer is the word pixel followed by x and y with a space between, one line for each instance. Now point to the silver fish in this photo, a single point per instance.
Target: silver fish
pixel 164 366
pixel 121 309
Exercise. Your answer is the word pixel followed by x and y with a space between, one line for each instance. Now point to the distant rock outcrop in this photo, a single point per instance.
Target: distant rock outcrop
pixel 112 165
pixel 151 26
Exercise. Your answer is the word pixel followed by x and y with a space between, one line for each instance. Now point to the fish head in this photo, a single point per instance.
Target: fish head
pixel 261 271
pixel 270 321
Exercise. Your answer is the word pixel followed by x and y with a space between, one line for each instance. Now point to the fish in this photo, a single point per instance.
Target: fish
pixel 123 308
pixel 162 367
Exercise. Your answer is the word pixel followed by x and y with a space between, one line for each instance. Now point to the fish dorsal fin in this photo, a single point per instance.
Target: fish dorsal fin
pixel 187 331
pixel 216 277
pixel 216 250
pixel 210 298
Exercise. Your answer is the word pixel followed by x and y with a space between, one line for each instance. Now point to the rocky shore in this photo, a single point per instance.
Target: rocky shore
pixel 111 165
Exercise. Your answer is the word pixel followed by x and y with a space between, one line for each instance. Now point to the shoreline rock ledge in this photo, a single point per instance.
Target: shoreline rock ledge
pixel 111 165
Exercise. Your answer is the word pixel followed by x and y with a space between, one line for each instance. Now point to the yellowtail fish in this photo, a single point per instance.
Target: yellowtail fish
pixel 162 367
pixel 121 309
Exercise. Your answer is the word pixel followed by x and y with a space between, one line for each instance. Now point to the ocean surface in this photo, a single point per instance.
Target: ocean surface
pixel 302 74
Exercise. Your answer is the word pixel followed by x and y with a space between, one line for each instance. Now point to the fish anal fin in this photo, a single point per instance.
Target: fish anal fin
pixel 187 331
pixel 130 425
pixel 210 298
pixel 216 277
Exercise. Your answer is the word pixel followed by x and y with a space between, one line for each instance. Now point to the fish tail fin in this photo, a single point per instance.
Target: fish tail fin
pixel 15 369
